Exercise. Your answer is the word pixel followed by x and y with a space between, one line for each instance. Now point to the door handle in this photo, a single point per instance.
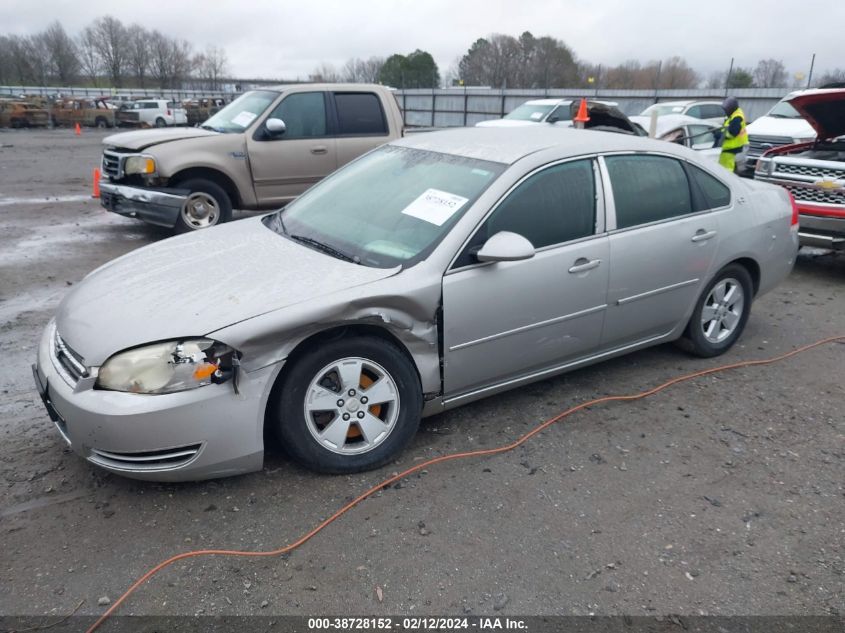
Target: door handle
pixel 583 264
pixel 319 149
pixel 702 236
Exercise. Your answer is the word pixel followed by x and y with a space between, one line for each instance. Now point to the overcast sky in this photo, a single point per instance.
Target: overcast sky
pixel 285 40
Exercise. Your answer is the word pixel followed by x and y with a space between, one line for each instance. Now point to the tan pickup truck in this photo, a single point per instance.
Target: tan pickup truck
pixel 259 152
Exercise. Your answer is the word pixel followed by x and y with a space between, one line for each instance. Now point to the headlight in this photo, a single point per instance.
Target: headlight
pixel 139 165
pixel 168 367
pixel 764 166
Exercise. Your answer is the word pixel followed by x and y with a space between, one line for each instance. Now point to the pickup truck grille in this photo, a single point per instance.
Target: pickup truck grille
pixel 814 195
pixel 111 165
pixel 758 144
pixel 813 171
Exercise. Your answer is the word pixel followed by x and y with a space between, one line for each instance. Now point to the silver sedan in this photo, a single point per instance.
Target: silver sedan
pixel 431 272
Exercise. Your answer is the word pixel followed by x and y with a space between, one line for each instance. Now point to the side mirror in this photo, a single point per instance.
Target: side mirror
pixel 275 127
pixel 505 246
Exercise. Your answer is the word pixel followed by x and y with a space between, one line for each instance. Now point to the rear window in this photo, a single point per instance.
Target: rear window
pixel 715 193
pixel 648 189
pixel 359 113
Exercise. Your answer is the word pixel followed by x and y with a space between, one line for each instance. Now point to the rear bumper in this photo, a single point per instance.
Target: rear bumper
pixel 156 206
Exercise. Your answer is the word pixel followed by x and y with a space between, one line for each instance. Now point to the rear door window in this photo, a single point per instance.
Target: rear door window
pixel 714 193
pixel 359 114
pixel 648 189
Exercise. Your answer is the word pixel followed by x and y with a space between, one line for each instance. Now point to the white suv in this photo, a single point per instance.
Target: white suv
pixel 153 113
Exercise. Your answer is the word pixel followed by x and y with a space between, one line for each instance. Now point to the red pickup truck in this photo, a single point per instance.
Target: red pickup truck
pixel 814 172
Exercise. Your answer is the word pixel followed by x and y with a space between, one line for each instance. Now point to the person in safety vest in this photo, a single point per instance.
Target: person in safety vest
pixel 734 133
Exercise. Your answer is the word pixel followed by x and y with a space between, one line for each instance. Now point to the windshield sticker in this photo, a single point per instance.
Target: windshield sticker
pixel 435 206
pixel 244 118
pixel 536 115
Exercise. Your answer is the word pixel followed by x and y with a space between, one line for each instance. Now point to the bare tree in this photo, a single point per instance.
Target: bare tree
pixel 89 56
pixel 138 53
pixel 831 76
pixel 63 57
pixel 676 73
pixel 357 70
pixel 37 51
pixel 110 42
pixel 210 66
pixel 770 73
pixel 325 72
pixel 21 69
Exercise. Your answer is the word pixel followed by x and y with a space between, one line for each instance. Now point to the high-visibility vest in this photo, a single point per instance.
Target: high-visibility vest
pixel 734 142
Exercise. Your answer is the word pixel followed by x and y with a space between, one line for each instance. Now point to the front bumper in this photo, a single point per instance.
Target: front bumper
pixel 191 435
pixel 821 231
pixel 156 206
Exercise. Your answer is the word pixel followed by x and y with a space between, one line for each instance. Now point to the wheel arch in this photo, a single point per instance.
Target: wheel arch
pixel 753 269
pixel 214 175
pixel 334 332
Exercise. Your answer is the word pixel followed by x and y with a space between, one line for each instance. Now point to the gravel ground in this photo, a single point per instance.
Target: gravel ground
pixel 720 496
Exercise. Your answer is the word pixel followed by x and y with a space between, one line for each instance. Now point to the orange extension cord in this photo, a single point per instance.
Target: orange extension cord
pixel 445 458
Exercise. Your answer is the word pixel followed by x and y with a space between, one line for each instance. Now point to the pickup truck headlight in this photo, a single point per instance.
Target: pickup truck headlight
pixel 168 367
pixel 764 167
pixel 139 165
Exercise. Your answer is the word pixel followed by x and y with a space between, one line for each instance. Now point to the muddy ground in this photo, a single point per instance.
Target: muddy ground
pixel 720 496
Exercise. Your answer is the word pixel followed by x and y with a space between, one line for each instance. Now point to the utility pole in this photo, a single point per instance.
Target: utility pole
pixel 728 78
pixel 810 76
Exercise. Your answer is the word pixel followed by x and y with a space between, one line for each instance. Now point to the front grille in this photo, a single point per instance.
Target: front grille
pixel 814 194
pixel 164 459
pixel 68 360
pixel 758 144
pixel 111 165
pixel 815 171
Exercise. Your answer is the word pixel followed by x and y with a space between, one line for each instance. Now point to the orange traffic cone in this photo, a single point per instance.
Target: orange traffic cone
pixel 78 130
pixel 582 117
pixel 95 193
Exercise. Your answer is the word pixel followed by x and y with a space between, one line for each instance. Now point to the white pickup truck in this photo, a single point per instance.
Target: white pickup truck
pixel 153 113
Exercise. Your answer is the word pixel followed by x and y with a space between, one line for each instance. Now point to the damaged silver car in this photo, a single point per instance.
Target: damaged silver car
pixel 431 272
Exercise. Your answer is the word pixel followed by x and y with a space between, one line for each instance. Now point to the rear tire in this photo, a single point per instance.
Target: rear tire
pixel 207 205
pixel 349 405
pixel 720 313
pixel 160 122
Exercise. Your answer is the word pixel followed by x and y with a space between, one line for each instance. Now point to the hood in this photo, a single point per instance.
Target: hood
pixel 824 110
pixel 776 126
pixel 197 283
pixel 140 139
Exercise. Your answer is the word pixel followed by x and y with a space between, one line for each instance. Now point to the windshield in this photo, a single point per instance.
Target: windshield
pixel 527 112
pixel 238 115
pixel 784 110
pixel 662 110
pixel 390 207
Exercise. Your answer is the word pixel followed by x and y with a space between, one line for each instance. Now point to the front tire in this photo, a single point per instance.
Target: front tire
pixel 720 313
pixel 207 205
pixel 102 124
pixel 349 405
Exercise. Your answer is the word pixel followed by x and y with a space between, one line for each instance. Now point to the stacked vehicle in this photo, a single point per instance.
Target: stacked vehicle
pixel 84 111
pixel 16 113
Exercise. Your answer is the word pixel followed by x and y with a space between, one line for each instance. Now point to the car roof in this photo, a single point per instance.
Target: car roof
pixel 547 102
pixel 669 122
pixel 508 145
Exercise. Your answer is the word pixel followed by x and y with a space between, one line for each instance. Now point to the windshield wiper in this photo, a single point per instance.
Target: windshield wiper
pixel 212 128
pixel 325 248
